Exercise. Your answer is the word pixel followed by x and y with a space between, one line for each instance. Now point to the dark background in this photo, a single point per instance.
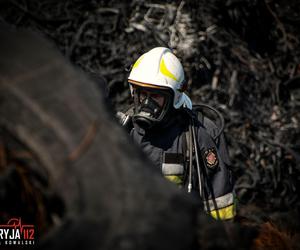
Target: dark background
pixel 240 56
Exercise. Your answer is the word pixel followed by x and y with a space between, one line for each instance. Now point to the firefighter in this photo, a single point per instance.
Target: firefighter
pixel 188 151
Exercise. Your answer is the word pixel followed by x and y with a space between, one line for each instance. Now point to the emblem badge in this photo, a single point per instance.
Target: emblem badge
pixel 211 158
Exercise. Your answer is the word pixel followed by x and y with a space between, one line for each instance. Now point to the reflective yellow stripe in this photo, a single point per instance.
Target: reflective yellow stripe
pixel 177 179
pixel 219 202
pixel 224 213
pixel 138 61
pixel 164 70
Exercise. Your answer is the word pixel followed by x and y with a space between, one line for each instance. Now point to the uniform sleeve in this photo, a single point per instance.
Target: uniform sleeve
pixel 219 197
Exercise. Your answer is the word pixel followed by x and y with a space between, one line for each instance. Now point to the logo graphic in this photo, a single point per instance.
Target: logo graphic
pixel 211 159
pixel 15 233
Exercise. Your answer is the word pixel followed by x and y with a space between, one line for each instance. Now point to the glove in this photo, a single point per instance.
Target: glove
pixel 125 120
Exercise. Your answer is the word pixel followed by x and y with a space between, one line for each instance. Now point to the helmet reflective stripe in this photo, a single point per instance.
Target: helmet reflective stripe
pixel 164 70
pixel 138 62
pixel 161 68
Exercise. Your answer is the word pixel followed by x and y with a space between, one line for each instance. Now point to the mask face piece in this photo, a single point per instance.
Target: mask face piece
pixel 151 106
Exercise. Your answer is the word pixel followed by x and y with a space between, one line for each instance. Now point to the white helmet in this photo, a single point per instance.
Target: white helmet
pixel 160 69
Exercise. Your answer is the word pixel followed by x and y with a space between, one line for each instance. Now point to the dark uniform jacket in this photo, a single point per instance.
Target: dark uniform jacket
pixel 167 147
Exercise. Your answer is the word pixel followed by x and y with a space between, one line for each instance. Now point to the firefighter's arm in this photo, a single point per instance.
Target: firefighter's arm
pixel 221 201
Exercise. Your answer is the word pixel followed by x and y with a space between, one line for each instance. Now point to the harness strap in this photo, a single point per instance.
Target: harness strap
pixel 187 150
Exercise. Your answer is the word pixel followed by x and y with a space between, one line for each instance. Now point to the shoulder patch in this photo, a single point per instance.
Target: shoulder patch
pixel 210 158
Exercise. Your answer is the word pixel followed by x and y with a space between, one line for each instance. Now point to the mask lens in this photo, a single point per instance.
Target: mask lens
pixel 157 97
pixel 142 95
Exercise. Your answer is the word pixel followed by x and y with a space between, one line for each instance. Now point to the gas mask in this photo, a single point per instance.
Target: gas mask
pixel 151 106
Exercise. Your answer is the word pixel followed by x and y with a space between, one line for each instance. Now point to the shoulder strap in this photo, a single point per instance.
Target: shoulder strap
pixel 186 153
pixel 200 116
pixel 211 116
pixel 185 143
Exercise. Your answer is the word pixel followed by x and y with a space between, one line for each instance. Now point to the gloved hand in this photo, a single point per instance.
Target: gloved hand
pixel 122 117
pixel 125 119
